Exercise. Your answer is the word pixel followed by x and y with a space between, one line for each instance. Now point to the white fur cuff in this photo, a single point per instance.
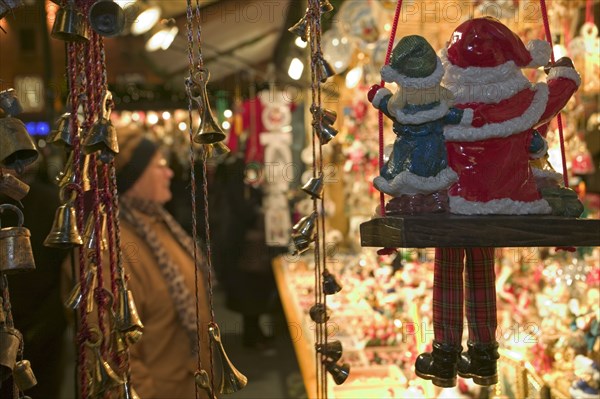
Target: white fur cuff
pixel 564 72
pixel 379 96
pixel 503 206
pixel 540 51
pixel 467 117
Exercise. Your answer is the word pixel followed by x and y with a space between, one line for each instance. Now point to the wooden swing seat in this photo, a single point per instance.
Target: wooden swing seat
pixel 448 231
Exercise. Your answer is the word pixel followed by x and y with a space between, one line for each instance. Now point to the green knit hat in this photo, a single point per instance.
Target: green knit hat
pixel 413 57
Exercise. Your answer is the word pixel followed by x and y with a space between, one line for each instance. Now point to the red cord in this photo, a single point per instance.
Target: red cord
pixel 387 61
pixel 558 117
pixel 589 12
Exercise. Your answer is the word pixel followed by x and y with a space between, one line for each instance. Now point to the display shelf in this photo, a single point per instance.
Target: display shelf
pixel 303 346
pixel 428 231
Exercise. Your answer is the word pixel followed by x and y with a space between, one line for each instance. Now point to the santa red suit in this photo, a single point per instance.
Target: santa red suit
pixel 491 149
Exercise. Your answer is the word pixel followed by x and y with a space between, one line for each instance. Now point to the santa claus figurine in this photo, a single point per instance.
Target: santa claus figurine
pixel 491 156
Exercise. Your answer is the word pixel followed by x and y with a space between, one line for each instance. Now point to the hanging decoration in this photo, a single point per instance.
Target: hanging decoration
pixel 17 151
pixel 107 321
pixel 311 228
pixel 471 143
pixel 210 136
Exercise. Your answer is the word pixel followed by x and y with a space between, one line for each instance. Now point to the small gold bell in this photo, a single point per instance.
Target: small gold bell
pixel 64 233
pixel 209 131
pixel 102 136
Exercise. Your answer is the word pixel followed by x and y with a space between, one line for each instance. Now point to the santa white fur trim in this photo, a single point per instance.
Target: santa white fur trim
pixel 564 72
pixel 467 117
pixel 540 51
pixel 483 85
pixel 379 96
pixel 411 184
pixel 390 75
pixel 505 128
pixel 421 116
pixel 504 206
pixel 547 174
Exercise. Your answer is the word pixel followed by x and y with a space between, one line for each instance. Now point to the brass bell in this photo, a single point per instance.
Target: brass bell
pixel 13 187
pixel 231 379
pixel 318 313
pixel 15 246
pixel 126 391
pixel 306 226
pixel 300 29
pixel 330 284
pixel 324 69
pixel 216 151
pixel 329 115
pixel 339 373
pixel 64 233
pixel 62 134
pixel 326 133
pixel 90 238
pixel 103 376
pixel 70 25
pixel 107 18
pixel 23 375
pixel 314 187
pixel 203 382
pixel 325 6
pixel 103 135
pixel 128 321
pixel 8 5
pixel 331 350
pixel 17 149
pixel 209 131
pixel 76 295
pixel 10 343
pixel 68 176
pixel 301 244
pixel 9 103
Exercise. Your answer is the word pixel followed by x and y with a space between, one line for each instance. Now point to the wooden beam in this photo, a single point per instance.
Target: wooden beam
pixel 429 231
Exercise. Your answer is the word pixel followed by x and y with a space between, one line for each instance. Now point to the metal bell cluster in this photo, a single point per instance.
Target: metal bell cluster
pixel 11 345
pixel 105 17
pixel 301 27
pixel 323 119
pixel 303 233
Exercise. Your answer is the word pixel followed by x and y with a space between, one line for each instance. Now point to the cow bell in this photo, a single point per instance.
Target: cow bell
pixel 70 25
pixel 107 18
pixel 17 149
pixel 23 375
pixel 9 103
pixel 15 247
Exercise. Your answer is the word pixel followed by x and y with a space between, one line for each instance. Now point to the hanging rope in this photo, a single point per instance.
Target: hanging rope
pixel 196 63
pixel 382 84
pixel 559 116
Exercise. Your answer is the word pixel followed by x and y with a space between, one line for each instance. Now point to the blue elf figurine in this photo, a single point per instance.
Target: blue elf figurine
pixel 418 166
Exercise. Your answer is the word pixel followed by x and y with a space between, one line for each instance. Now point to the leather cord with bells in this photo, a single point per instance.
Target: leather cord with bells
pixel 326 356
pixel 207 140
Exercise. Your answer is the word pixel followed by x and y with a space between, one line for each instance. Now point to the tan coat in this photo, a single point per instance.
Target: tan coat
pixel 161 362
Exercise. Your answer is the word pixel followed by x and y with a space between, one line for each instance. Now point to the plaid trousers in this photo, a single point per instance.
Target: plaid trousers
pixel 448 295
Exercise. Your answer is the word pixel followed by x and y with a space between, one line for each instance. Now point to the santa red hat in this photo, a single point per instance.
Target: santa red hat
pixel 487 43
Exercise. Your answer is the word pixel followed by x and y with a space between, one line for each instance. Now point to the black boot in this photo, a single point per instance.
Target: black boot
pixel 479 363
pixel 439 366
